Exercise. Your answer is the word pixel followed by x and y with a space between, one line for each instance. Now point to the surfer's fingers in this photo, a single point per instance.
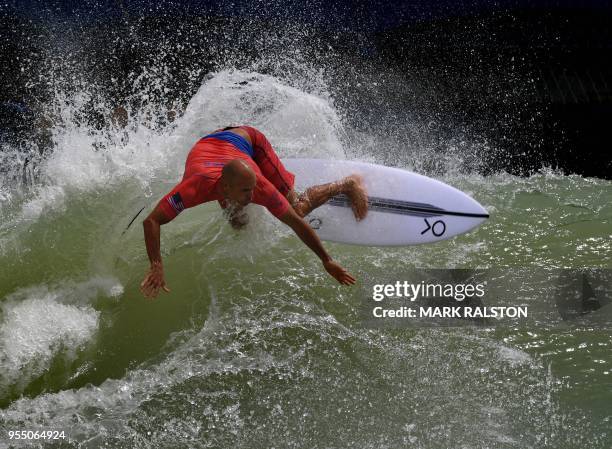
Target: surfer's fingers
pixel 146 289
pixel 143 286
pixel 148 280
pixel 146 293
pixel 155 283
pixel 345 279
pixel 149 289
pixel 348 278
pixel 346 273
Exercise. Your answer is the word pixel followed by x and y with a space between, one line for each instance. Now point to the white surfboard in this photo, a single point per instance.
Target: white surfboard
pixel 404 208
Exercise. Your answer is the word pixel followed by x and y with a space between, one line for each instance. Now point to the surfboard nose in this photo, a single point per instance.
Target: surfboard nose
pixel 480 209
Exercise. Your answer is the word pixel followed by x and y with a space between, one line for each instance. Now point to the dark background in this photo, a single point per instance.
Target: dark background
pixel 531 80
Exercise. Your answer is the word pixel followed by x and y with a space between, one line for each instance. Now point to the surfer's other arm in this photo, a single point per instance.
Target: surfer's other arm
pixel 154 279
pixel 310 238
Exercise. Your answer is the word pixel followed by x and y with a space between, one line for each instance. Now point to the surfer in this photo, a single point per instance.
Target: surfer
pixel 237 166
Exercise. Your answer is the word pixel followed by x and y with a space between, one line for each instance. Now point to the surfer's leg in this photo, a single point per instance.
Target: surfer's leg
pixel 351 186
pixel 272 168
pixel 269 163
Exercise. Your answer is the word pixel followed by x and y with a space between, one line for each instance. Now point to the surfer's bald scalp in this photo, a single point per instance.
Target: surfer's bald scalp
pixel 237 169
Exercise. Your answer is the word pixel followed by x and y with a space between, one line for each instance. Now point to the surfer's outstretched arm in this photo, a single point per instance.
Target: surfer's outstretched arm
pixel 310 238
pixel 154 280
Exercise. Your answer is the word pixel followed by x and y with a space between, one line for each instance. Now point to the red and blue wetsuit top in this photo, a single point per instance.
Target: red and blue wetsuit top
pixel 203 172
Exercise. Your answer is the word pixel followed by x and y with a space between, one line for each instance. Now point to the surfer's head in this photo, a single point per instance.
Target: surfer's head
pixel 238 182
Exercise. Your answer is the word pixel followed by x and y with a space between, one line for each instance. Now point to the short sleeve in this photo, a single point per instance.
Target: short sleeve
pixel 184 195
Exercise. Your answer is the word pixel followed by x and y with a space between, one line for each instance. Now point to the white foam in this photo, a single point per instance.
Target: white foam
pixel 39 324
pixel 514 356
pixel 295 122
pixel 34 331
pixel 45 198
pixel 115 398
pixel 5 195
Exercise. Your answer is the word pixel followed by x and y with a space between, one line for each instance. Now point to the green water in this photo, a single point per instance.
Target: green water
pixel 255 346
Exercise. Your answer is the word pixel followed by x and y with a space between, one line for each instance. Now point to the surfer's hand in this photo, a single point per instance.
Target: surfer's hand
pixel 338 272
pixel 154 281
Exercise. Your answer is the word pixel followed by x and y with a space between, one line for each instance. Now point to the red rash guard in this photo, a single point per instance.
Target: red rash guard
pixel 205 161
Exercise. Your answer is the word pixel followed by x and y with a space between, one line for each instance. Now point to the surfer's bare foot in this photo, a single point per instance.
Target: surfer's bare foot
pixel 315 196
pixel 354 188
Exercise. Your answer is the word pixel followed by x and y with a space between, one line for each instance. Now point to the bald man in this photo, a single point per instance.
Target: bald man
pixel 237 166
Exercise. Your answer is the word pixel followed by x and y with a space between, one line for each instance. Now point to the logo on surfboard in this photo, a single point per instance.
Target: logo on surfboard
pixel 315 223
pixel 438 228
